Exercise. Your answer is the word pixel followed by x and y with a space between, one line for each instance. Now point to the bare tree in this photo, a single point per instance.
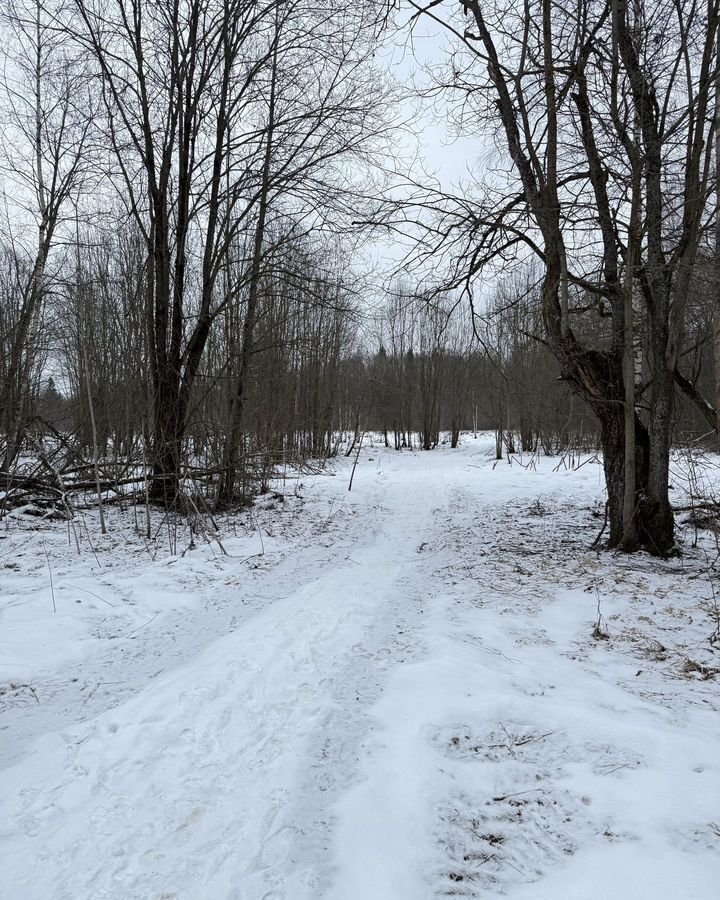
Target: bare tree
pixel 603 108
pixel 44 158
pixel 230 115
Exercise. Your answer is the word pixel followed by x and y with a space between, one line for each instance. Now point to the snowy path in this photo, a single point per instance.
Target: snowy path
pixel 402 700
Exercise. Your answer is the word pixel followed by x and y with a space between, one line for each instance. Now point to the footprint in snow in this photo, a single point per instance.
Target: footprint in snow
pixel 276 848
pixel 324 780
pixel 279 797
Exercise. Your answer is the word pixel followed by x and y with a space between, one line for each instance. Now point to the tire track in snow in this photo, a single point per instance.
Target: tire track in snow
pixel 227 595
pixel 391 634
pixel 221 774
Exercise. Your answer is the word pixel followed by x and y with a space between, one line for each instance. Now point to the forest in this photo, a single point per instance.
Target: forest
pixel 185 299
pixel 362 361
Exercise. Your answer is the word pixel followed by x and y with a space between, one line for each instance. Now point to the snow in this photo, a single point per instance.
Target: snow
pixel 388 694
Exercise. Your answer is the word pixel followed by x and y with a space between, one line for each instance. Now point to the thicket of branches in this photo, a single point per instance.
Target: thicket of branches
pixel 605 119
pixel 179 181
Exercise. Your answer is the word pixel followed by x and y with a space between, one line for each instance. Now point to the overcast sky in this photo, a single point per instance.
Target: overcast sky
pixel 448 161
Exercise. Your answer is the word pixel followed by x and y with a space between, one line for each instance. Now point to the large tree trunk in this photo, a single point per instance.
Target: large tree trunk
pixel 598 381
pixel 167 441
pixel 657 523
pixel 612 425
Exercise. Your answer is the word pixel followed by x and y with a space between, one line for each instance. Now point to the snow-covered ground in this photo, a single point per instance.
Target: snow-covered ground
pixel 388 694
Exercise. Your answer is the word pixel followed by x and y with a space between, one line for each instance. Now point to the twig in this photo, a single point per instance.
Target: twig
pixel 259 531
pixel 518 794
pixel 357 456
pixel 17 687
pixel 52 589
pixel 78 588
pixel 604 526
pixel 143 625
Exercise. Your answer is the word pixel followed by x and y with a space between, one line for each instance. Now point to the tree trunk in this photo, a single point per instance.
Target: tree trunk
pixel 614 446
pixel 168 434
pixel 235 437
pixel 657 525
